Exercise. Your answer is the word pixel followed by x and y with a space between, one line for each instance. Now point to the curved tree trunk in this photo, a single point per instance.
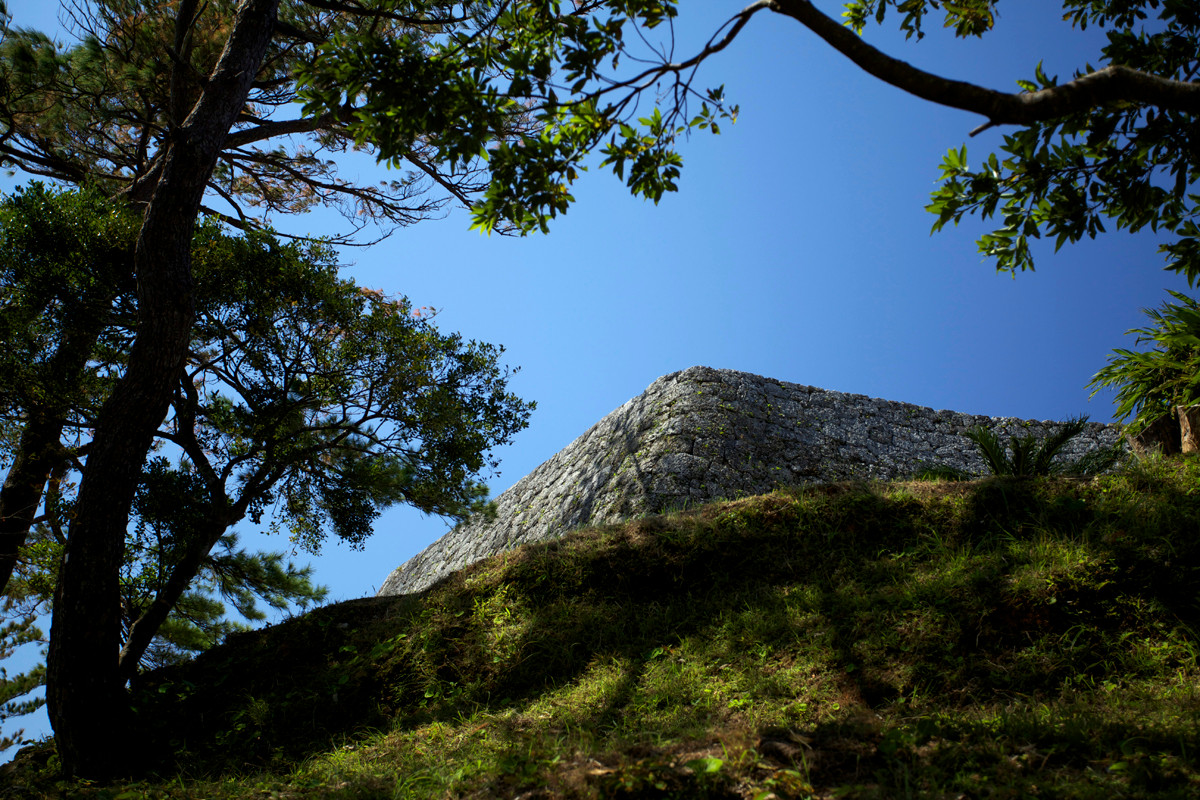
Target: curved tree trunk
pixel 40 450
pixel 85 690
pixel 37 453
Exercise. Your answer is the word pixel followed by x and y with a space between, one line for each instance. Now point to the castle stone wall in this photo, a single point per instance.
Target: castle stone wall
pixel 705 434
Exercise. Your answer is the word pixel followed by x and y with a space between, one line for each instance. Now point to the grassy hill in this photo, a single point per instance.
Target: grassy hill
pixel 991 638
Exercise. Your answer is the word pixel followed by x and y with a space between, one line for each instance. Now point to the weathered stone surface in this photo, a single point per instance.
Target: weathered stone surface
pixel 704 434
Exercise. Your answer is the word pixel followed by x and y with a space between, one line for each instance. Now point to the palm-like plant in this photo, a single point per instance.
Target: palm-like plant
pixel 1028 455
pixel 1151 383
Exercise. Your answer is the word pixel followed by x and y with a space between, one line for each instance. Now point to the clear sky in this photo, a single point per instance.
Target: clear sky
pixel 797 248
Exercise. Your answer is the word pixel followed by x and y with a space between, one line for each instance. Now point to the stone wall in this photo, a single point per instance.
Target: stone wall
pixel 705 434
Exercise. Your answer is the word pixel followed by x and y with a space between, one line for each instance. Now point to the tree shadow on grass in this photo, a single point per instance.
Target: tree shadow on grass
pixel 906 596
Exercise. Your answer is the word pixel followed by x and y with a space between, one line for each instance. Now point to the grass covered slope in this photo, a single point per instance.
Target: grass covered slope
pixel 999 638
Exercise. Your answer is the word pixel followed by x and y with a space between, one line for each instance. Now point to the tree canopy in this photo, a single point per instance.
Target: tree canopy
pixel 170 106
pixel 307 402
pixel 464 100
pixel 497 104
pixel 1115 142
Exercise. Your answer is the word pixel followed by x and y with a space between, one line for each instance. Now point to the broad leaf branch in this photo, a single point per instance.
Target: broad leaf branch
pixel 1112 84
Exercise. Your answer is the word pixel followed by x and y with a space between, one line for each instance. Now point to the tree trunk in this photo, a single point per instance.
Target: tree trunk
pixel 1161 436
pixel 40 449
pixel 85 690
pixel 1189 428
pixel 38 452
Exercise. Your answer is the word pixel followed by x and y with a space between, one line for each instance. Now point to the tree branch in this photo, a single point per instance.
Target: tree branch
pixel 180 55
pixel 270 130
pixel 356 9
pixel 1114 83
pixel 646 78
pixel 289 31
pixel 58 169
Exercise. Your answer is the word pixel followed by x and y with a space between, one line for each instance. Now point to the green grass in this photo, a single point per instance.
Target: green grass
pixel 993 638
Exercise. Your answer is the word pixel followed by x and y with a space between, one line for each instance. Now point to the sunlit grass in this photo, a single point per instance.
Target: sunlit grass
pixel 1000 638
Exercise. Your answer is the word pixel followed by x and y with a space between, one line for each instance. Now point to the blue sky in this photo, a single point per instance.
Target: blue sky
pixel 797 247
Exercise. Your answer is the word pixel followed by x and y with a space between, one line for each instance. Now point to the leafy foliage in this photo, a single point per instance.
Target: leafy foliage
pixel 1131 165
pixel 300 385
pixel 63 259
pixel 200 617
pixel 1150 383
pixel 307 401
pixel 482 102
pixel 1028 455
pixel 491 103
pixel 335 399
pixel 967 18
pixel 99 112
pixel 454 91
pixel 19 612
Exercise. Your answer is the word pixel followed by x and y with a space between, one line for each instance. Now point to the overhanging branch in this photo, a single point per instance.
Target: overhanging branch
pixel 270 129
pixel 1114 83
